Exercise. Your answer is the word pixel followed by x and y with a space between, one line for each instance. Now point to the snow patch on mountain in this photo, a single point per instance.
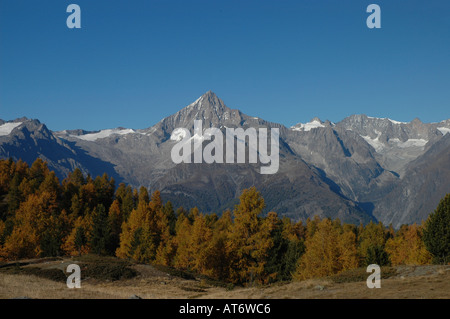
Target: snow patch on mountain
pixel 397 122
pixel 412 142
pixel 385 118
pixel 379 146
pixel 308 126
pixel 197 101
pixel 444 130
pixel 178 134
pixel 374 142
pixel 7 128
pixel 103 133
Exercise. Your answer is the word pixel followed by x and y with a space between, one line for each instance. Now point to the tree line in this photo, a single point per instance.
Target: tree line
pixel 41 216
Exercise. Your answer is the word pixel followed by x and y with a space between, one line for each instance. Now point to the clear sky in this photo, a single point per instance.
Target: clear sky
pixel 134 62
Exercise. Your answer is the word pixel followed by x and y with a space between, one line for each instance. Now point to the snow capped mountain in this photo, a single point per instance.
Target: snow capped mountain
pixel 356 169
pixel 315 123
pixel 398 143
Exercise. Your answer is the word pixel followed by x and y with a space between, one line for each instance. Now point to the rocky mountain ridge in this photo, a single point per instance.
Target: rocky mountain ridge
pixel 359 169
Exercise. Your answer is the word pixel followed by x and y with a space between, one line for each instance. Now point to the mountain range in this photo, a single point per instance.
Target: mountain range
pixel 359 169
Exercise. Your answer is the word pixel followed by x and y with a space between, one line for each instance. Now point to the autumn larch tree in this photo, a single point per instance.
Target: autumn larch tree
pixel 250 239
pixel 330 250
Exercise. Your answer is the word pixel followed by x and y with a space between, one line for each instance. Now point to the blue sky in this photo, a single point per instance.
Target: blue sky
pixel 135 62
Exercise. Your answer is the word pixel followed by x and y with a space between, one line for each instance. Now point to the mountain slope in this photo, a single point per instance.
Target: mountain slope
pixel 426 181
pixel 357 170
pixel 29 139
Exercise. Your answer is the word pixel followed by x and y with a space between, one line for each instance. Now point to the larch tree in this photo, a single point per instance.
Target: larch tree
pixel 199 243
pixel 249 239
pixel 329 251
pixel 132 236
pixel 77 242
pixel 183 258
pixel 32 220
pixel 407 247
pixel 163 236
pixel 322 252
pixel 218 257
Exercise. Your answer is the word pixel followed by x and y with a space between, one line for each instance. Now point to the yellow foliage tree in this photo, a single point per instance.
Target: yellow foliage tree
pixel 133 230
pixel 218 256
pixel 407 247
pixel 32 219
pixel 164 240
pixel 183 257
pixel 77 242
pixel 249 239
pixel 330 250
pixel 199 243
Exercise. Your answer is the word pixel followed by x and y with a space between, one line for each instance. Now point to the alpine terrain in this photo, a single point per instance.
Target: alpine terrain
pixel 359 169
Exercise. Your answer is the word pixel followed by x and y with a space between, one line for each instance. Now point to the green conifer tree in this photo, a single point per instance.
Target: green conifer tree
pixel 436 234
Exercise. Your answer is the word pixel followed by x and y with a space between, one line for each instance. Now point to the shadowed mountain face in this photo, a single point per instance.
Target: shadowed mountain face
pixel 30 139
pixel 425 182
pixel 354 170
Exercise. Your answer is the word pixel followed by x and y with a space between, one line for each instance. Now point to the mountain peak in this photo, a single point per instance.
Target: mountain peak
pixel 209 101
pixel 208 108
pixel 210 94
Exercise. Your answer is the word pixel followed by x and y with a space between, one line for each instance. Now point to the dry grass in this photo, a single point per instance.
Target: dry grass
pixel 409 282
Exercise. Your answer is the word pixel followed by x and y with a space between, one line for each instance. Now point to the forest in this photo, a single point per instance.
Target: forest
pixel 41 216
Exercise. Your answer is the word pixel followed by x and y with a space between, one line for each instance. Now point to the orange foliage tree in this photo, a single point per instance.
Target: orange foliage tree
pixel 407 247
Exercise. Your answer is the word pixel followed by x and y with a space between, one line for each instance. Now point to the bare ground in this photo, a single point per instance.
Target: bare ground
pixel 409 282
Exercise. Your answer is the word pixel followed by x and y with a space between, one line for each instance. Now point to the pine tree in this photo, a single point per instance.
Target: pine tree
pixel 76 177
pixel 76 207
pixel 14 195
pixel 115 220
pixel 37 173
pixel 104 190
pixel 275 266
pixel 99 239
pixel 6 168
pixel 77 242
pixel 80 239
pixel 171 217
pixel 163 234
pixel 124 195
pixel 372 240
pixel 436 234
pixel 376 255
